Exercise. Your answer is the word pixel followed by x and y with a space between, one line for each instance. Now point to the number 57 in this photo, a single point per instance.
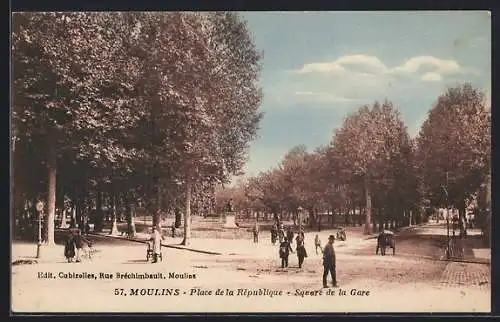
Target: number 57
pixel 119 291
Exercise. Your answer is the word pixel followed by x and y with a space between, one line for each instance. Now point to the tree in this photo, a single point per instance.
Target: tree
pixel 144 102
pixel 365 146
pixel 454 147
pixel 294 171
pixel 65 87
pixel 200 96
pixel 227 119
pixel 268 189
pixel 306 179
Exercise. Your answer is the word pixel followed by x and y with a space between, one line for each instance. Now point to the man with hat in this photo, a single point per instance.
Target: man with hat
pixel 329 262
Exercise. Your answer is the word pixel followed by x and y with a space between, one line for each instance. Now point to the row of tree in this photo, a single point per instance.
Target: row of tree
pixel 373 165
pixel 155 109
pixel 130 107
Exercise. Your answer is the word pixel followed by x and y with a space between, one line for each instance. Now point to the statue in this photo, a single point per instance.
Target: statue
pixel 229 205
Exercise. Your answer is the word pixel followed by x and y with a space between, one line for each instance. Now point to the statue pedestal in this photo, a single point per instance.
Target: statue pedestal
pixel 114 229
pixel 230 221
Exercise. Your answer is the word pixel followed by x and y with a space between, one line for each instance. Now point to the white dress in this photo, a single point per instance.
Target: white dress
pixel 156 237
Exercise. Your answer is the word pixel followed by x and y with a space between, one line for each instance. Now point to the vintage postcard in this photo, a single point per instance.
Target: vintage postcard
pixel 196 162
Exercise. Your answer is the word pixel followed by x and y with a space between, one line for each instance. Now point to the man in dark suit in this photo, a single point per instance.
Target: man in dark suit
pixel 329 262
pixel 284 252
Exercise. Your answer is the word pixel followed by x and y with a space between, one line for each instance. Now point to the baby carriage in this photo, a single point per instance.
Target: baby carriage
pixel 341 235
pixel 150 252
pixel 89 251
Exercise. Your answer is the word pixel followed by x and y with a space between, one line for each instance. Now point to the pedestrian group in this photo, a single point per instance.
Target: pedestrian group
pixel 285 249
pixel 73 247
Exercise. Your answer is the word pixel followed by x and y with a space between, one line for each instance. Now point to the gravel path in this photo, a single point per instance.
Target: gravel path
pixel 412 281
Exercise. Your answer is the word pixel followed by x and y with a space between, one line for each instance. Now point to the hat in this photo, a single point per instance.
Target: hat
pixel 331 237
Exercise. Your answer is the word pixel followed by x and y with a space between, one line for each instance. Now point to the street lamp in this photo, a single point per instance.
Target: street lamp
pixel 447 218
pixel 39 209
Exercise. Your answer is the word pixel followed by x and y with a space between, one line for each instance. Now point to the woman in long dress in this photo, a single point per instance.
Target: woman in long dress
pixel 69 248
pixel 156 238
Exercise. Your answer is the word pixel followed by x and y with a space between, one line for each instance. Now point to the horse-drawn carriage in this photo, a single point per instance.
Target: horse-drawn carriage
pixel 386 239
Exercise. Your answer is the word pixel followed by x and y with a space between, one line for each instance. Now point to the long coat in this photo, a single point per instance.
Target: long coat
pixel 329 259
pixel 69 247
pixel 285 246
pixel 301 249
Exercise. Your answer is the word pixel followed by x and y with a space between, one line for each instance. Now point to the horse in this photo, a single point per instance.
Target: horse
pixel 386 239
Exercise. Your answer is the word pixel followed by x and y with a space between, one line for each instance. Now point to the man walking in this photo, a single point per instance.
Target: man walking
pixel 285 250
pixel 256 233
pixel 329 262
pixel 301 249
pixel 281 235
pixel 274 234
pixel 173 230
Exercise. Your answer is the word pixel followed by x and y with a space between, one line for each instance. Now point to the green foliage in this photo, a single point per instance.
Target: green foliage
pixel 138 103
pixel 454 142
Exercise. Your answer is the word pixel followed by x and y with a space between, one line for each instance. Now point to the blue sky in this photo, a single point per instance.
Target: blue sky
pixel 320 66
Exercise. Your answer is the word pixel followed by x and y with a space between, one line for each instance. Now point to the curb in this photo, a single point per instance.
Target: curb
pixel 467 261
pixel 398 230
pixel 164 245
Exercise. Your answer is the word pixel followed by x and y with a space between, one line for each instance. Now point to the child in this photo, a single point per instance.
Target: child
pixel 317 244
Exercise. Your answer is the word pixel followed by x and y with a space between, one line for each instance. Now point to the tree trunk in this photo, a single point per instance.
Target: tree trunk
pixel 99 218
pixel 187 215
pixel 312 220
pixel 368 211
pixel 299 217
pixel 178 217
pixel 51 198
pixel 318 218
pixel 385 220
pixel 157 208
pixel 114 227
pixel 461 215
pixel 64 223
pixel 130 218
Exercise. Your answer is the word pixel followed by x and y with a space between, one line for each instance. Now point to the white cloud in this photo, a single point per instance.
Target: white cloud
pixel 362 63
pixel 369 63
pixel 321 97
pixel 332 67
pixel 361 78
pixel 431 77
pixel 428 64
pixel 355 66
